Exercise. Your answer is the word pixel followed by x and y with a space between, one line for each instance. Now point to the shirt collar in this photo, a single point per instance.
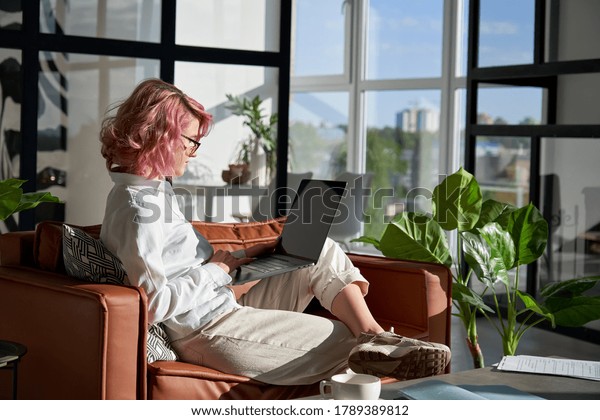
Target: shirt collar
pixel 140 181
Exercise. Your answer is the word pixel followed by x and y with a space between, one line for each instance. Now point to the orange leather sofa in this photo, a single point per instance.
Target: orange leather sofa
pixel 88 341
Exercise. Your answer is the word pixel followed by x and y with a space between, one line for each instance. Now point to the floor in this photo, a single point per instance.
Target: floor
pixel 535 342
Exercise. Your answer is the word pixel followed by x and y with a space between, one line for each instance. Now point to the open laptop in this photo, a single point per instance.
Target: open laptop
pixel 308 221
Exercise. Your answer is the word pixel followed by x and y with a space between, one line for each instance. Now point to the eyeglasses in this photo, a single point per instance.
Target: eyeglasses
pixel 194 144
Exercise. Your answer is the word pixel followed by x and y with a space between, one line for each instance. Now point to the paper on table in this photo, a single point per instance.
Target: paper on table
pixel 552 366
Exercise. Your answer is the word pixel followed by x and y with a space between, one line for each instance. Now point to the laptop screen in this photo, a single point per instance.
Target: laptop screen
pixel 310 217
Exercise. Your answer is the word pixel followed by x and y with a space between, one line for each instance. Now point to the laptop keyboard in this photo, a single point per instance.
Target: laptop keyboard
pixel 265 265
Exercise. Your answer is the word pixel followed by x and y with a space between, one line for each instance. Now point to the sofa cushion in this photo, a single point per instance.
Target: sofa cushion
pixel 232 236
pixel 87 259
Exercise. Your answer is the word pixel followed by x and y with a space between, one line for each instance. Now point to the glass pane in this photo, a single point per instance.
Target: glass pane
pixel 570 202
pixel 402 152
pixel 236 24
pixel 573 23
pixel 75 92
pixel 509 105
pixel 404 39
pixel 11 15
pixel 318 133
pixel 502 168
pixel 506 32
pixel 134 20
pixel 10 121
pixel 318 42
pixel 10 111
pixel 209 84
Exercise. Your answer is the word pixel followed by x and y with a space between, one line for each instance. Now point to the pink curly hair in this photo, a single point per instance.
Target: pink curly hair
pixel 142 136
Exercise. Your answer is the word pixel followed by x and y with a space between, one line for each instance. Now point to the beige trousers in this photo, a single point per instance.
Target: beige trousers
pixel 269 338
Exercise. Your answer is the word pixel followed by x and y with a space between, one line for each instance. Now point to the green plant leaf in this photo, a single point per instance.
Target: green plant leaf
pixel 463 294
pixel 10 197
pixel 416 237
pixel 529 231
pixel 33 199
pixel 368 240
pixel 486 261
pixel 456 201
pixel 477 256
pixel 494 211
pixel 12 182
pixel 569 288
pixel 500 242
pixel 574 312
pixel 13 200
pixel 532 305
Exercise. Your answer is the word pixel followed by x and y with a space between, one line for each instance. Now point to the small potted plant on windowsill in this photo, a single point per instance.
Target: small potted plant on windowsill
pixel 239 171
pixel 262 141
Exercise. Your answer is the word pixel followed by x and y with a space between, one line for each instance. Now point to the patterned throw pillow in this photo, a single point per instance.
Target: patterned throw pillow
pixel 158 345
pixel 87 259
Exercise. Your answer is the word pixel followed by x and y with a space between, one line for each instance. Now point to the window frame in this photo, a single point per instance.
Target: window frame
pixel 356 84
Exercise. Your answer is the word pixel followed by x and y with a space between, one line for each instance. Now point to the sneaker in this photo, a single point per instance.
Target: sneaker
pixel 391 355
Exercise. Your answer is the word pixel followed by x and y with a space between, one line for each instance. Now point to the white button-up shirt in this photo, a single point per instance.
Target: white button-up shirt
pixel 164 255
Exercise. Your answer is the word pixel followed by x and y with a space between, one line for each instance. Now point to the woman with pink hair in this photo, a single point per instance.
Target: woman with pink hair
pixel 263 335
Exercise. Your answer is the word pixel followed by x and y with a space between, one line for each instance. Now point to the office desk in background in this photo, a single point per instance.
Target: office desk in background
pixel 212 191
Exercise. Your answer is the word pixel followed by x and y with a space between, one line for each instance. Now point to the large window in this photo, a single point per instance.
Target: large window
pixel 374 86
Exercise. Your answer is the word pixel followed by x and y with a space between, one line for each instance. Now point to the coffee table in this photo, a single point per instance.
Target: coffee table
pixel 549 387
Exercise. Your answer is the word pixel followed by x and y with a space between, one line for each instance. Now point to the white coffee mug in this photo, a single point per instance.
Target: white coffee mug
pixel 352 386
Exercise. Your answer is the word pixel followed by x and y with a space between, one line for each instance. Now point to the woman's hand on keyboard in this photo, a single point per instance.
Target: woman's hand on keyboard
pixel 261 249
pixel 228 262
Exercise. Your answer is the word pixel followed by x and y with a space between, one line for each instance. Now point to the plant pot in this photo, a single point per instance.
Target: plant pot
pixel 258 165
pixel 237 174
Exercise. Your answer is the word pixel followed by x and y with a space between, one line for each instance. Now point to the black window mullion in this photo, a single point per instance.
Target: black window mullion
pixel 472 86
pixel 283 102
pixel 539 32
pixel 30 66
pixel 167 41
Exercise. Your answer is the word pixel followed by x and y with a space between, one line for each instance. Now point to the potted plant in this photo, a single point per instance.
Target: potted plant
pixel 263 131
pixel 239 171
pixel 14 200
pixel 493 241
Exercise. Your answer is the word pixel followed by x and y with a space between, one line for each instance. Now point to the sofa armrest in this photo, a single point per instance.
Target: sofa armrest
pixel 84 341
pixel 412 297
pixel 16 248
